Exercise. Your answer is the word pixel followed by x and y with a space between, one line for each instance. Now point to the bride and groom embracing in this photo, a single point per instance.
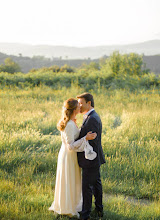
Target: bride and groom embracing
pixel 81 150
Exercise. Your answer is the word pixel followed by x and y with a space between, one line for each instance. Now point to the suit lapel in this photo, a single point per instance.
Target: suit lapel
pixel 87 117
pixel 83 128
pixel 84 121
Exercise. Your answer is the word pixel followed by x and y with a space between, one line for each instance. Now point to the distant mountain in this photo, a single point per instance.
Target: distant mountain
pixel 147 48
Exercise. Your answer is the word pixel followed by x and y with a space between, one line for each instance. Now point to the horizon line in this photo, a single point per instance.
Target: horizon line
pixel 102 45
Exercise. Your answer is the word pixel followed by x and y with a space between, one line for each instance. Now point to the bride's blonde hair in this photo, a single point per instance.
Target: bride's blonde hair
pixel 68 107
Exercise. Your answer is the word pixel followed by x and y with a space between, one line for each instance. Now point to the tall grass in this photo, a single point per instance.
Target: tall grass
pixel 30 142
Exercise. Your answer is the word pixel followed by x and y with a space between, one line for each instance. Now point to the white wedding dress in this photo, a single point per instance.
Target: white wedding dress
pixel 68 196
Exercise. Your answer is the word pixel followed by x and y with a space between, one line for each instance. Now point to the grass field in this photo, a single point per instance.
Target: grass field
pixel 30 142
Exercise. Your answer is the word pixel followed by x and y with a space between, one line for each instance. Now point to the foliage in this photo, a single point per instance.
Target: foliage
pixel 127 64
pixel 91 66
pixel 10 66
pixel 84 79
pixel 116 72
pixel 54 69
pixel 67 68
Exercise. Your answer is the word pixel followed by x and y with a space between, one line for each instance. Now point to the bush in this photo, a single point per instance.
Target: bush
pixel 10 66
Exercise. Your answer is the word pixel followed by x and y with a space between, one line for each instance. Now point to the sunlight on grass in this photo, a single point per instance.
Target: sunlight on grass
pixel 30 142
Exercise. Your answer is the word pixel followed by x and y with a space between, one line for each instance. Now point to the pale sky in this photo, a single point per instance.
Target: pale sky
pixel 79 22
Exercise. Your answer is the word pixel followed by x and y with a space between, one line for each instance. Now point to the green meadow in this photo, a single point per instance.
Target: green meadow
pixel 128 102
pixel 30 142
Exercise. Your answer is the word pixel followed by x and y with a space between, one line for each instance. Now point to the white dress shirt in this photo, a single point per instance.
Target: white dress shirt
pixel 86 115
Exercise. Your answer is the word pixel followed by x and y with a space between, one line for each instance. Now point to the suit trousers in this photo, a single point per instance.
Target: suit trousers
pixel 91 185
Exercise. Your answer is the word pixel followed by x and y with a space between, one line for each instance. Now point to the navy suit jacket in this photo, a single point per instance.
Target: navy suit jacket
pixel 92 123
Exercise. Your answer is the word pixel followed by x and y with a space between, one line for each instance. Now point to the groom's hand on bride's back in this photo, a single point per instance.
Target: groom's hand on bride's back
pixel 91 136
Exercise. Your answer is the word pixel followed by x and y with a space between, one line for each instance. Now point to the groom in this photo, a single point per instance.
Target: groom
pixel 91 182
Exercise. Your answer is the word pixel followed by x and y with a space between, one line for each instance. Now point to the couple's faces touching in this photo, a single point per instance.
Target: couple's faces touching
pixel 77 110
pixel 82 106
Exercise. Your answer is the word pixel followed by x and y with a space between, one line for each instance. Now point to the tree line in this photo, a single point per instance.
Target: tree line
pixel 115 72
pixel 36 62
pixel 131 64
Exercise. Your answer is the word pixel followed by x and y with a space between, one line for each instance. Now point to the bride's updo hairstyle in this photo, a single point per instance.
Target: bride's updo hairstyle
pixel 68 107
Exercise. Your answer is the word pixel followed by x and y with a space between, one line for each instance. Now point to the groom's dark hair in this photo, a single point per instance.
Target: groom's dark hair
pixel 88 97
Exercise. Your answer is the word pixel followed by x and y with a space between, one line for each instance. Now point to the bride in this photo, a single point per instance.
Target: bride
pixel 67 197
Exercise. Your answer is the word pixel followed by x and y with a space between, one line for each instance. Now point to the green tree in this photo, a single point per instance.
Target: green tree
pixel 67 68
pixel 127 64
pixel 112 64
pixel 132 64
pixel 91 66
pixel 94 66
pixel 54 68
pixel 10 66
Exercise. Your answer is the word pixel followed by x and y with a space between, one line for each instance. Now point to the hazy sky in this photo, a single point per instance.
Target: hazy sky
pixel 79 22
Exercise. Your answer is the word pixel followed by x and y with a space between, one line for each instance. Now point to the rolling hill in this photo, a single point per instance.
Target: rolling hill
pixel 147 48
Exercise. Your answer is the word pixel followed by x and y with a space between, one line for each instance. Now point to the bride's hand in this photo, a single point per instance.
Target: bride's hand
pixel 91 136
